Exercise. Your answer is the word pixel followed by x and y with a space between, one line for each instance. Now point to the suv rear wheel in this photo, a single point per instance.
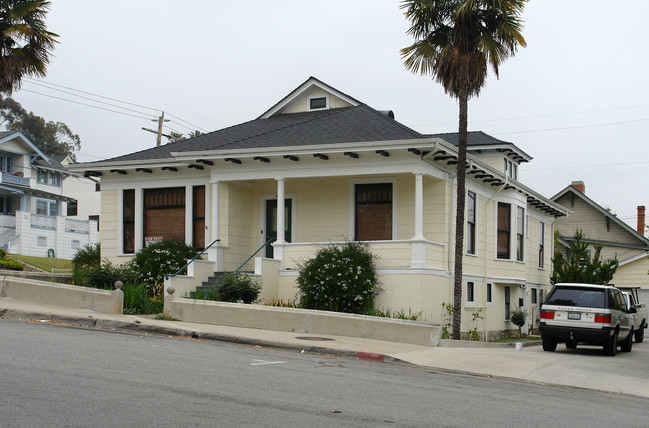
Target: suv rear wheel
pixel 639 334
pixel 628 343
pixel 610 347
pixel 549 343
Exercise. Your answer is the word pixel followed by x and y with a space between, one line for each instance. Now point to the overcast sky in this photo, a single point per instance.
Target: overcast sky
pixel 576 99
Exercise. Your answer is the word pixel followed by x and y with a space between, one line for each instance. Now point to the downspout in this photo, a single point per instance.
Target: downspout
pixel 486 212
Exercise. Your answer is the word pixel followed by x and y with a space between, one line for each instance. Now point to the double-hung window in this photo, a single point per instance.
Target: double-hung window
pixel 541 244
pixel 470 223
pixel 6 164
pixel 520 233
pixel 504 230
pixel 48 208
pixel 470 292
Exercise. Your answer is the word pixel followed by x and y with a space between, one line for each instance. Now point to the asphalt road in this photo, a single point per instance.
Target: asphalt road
pixel 60 376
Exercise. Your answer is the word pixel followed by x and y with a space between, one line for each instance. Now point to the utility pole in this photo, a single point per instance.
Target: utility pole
pixel 160 121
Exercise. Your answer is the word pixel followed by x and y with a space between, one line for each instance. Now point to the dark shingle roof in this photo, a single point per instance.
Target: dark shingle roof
pixel 345 125
pixel 474 138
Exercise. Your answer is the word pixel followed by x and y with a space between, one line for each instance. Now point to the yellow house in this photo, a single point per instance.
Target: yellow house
pixel 601 227
pixel 320 167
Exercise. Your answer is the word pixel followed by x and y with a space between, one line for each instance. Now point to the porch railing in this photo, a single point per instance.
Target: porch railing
pixel 43 222
pixel 14 179
pixel 192 260
pixel 255 253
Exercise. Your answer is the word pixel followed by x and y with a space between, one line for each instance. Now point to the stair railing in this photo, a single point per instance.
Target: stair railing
pixel 255 253
pixel 192 260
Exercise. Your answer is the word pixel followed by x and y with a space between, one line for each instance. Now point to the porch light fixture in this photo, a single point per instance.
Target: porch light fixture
pixel 233 160
pixel 118 171
pixel 415 151
pixel 205 161
pixel 383 153
pixel 351 155
pixel 291 157
pixel 147 170
pixel 262 159
pixel 444 157
pixel 320 156
pixel 170 168
pixel 191 165
pixel 92 174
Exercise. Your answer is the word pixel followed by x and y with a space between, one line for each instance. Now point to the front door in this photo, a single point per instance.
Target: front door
pixel 271 222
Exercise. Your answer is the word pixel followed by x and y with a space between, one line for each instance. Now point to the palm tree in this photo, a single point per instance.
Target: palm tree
pixel 455 42
pixel 26 44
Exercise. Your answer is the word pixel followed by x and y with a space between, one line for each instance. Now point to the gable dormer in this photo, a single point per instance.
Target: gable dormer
pixel 312 95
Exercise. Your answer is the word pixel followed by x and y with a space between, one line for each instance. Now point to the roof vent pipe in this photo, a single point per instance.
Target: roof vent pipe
pixel 388 113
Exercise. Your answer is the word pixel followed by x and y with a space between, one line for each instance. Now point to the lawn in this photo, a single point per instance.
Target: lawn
pixel 45 263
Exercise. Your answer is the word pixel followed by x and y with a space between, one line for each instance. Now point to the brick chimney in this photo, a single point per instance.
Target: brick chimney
pixel 579 185
pixel 641 223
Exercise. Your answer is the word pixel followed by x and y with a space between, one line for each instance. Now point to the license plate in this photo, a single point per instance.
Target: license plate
pixel 574 316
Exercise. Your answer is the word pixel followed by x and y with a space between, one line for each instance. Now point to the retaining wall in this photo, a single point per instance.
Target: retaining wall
pixel 72 296
pixel 301 321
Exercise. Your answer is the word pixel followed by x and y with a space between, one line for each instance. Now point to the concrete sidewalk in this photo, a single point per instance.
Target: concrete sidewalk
pixel 585 367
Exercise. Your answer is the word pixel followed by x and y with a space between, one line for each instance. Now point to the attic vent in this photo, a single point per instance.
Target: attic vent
pixel 388 113
pixel 317 103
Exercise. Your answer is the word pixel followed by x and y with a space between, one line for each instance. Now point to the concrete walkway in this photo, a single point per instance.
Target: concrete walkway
pixel 585 367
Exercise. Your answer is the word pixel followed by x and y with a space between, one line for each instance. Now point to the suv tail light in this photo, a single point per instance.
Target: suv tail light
pixel 548 315
pixel 603 318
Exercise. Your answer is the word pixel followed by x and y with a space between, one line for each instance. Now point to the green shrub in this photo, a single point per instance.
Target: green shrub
pixel 88 255
pixel 162 258
pixel 401 314
pixel 136 300
pixel 3 253
pixel 105 275
pixel 11 264
pixel 200 294
pixel 238 287
pixel 517 317
pixel 339 278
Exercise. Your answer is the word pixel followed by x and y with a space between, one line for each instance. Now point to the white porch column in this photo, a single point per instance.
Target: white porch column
pixel 189 214
pixel 419 206
pixel 215 253
pixel 278 252
pixel 418 257
pixel 139 219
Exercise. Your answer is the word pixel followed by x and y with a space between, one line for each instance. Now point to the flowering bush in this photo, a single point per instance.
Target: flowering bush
pixel 340 278
pixel 162 258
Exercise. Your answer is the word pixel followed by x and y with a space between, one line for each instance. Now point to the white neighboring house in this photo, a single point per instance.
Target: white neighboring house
pixel 86 192
pixel 33 203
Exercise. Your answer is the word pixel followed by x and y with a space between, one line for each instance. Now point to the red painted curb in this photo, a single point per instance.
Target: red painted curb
pixel 370 356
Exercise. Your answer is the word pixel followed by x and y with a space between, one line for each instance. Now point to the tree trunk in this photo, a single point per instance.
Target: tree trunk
pixel 459 218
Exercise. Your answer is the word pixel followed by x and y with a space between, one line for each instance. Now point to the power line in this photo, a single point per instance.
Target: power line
pixel 587 166
pixel 195 127
pixel 192 127
pixel 544 115
pixel 90 93
pixel 573 127
pixel 87 105
pixel 87 98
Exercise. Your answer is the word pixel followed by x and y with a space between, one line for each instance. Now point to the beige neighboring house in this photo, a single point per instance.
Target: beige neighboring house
pixel 320 167
pixel 601 227
pixel 33 203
